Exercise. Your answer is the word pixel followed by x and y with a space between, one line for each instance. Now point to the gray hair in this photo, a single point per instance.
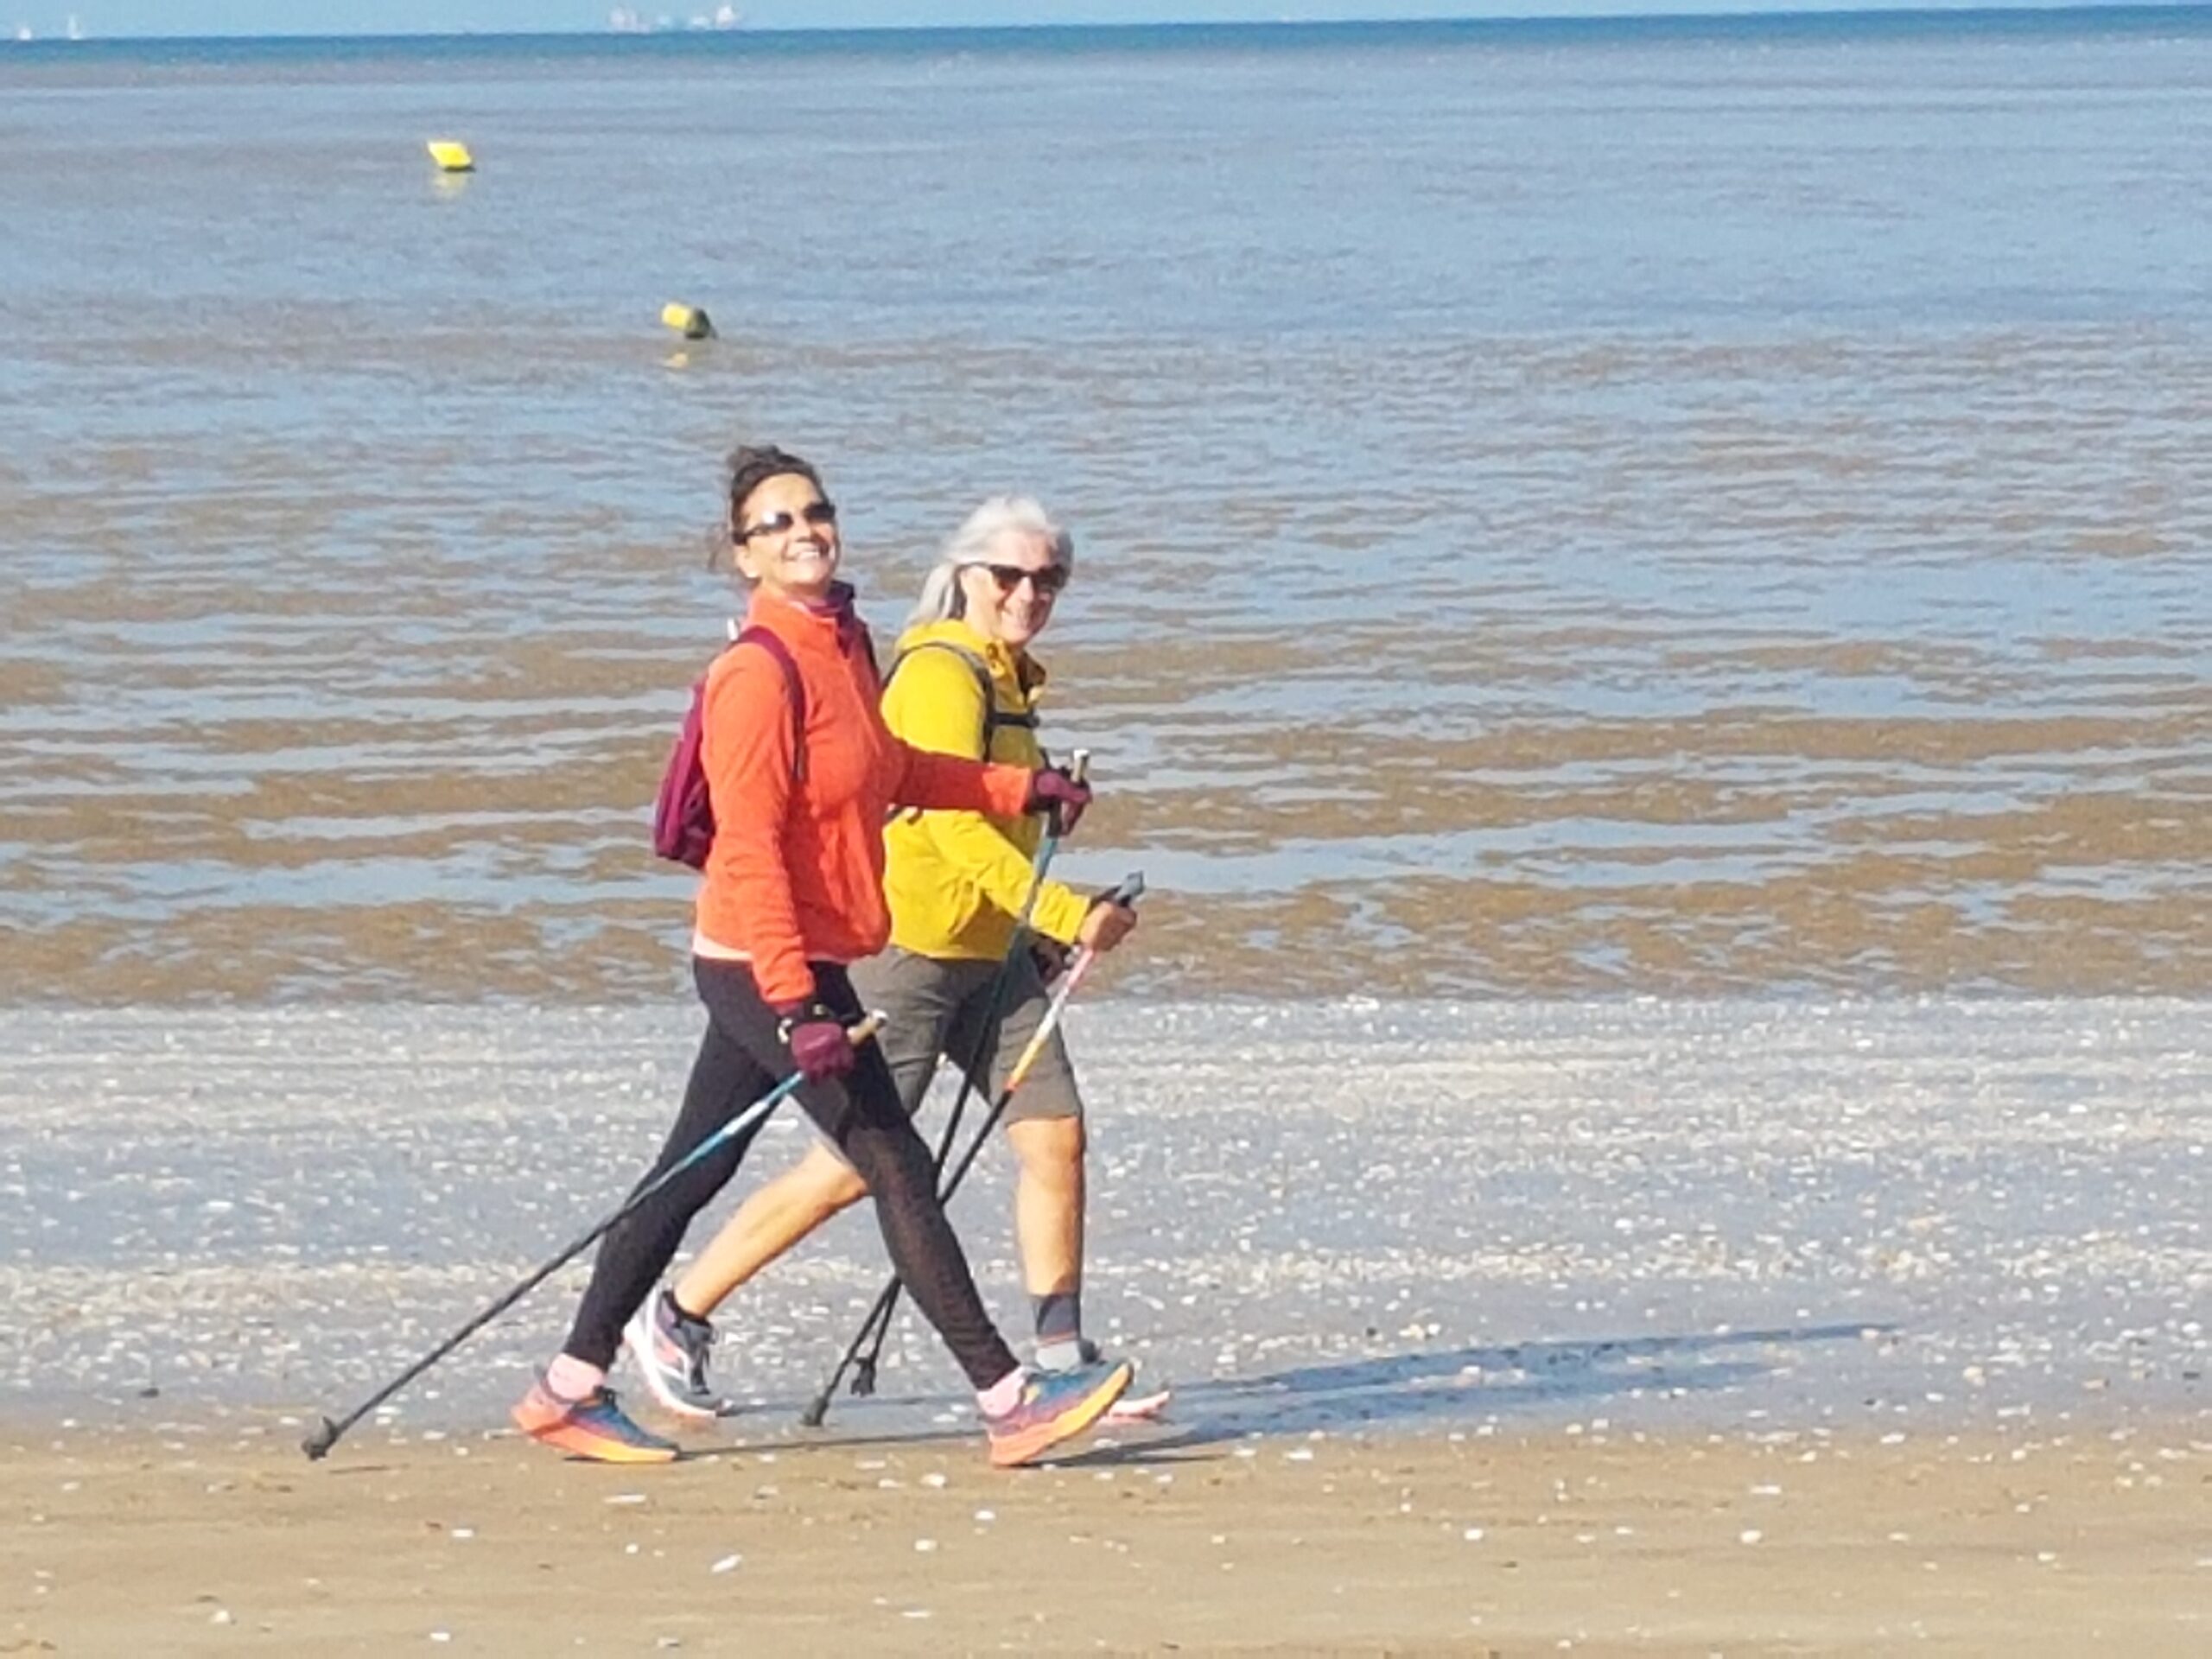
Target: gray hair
pixel 972 544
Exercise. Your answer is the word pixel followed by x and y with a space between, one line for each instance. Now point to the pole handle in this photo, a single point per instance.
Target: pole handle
pixel 1078 769
pixel 1127 891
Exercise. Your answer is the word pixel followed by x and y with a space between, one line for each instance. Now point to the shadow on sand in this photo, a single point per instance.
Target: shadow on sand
pixel 1448 1387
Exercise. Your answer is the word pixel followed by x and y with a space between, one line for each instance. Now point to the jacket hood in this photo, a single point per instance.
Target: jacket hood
pixel 1007 665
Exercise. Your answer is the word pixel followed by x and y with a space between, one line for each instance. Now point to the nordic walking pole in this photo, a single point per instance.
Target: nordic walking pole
pixel 876 1327
pixel 1130 889
pixel 1047 845
pixel 1127 892
pixel 327 1434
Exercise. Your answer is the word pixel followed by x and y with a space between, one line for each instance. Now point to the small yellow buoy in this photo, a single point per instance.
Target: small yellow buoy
pixel 451 157
pixel 688 320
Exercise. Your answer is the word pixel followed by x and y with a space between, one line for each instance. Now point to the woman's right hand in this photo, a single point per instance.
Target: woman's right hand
pixel 1105 926
pixel 1053 790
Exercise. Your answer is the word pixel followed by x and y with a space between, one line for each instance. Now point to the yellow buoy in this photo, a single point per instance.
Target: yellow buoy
pixel 451 157
pixel 688 320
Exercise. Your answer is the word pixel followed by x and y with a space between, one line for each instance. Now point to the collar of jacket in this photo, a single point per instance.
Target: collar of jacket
pixel 1008 665
pixel 831 620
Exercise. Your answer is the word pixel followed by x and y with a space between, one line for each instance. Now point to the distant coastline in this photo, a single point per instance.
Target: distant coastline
pixel 731 33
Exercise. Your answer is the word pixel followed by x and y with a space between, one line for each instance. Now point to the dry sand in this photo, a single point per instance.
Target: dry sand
pixel 184 1543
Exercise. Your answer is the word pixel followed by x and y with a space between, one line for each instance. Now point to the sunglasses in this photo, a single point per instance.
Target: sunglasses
pixel 820 515
pixel 1047 582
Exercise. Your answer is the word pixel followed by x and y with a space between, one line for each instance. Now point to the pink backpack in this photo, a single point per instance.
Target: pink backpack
pixel 684 816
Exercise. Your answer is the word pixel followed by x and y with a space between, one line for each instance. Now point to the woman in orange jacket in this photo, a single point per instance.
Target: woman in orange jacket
pixel 802 771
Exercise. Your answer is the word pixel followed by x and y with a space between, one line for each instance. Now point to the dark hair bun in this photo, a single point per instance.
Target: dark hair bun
pixel 752 465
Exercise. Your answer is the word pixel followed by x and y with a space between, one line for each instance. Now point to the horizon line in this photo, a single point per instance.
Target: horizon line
pixel 1697 11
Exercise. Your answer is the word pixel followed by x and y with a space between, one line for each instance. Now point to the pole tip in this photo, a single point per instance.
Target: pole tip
pixel 320 1439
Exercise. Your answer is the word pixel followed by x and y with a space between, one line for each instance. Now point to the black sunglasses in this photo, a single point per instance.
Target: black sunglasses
pixel 1047 582
pixel 820 514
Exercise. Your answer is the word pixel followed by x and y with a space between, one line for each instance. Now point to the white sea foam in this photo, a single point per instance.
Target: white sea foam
pixel 1779 1217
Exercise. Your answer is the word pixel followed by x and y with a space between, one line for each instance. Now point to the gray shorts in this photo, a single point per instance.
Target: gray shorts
pixel 938 1008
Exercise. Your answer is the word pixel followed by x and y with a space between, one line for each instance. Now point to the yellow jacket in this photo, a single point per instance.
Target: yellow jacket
pixel 957 879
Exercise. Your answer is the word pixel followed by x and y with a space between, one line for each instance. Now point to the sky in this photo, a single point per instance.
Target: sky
pixel 143 17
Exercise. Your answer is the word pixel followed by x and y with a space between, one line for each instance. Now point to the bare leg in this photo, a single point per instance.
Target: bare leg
pixel 1048 1202
pixel 765 1226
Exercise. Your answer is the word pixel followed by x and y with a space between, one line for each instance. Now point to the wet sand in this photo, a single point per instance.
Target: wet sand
pixel 1348 838
pixel 182 1542
pixel 1684 1216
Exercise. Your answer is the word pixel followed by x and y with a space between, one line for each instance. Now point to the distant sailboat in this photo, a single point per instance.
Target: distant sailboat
pixel 73 31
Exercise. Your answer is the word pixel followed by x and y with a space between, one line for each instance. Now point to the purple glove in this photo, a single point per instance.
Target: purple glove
pixel 816 1039
pixel 1052 790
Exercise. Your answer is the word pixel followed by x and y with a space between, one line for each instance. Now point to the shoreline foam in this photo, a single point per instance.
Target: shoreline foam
pixel 1679 1216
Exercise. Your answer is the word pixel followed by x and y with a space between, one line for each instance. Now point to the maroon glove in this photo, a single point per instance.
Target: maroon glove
pixel 816 1039
pixel 1052 790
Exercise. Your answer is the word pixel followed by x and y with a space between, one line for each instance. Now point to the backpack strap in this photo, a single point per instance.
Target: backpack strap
pixel 993 717
pixel 794 689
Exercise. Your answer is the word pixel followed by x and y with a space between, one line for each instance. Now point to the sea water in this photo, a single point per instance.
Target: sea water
pixel 1706 507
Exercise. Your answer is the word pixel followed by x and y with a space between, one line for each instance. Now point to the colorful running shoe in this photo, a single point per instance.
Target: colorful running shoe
pixel 1142 1403
pixel 595 1428
pixel 1055 1406
pixel 671 1349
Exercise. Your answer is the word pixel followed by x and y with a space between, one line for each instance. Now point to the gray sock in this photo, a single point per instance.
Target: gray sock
pixel 1059 1329
pixel 1062 1355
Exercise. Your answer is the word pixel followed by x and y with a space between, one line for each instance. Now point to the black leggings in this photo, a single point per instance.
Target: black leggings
pixel 741 1058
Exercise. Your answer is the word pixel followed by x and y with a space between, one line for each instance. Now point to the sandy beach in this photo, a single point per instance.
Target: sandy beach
pixel 1596 1543
pixel 1648 1328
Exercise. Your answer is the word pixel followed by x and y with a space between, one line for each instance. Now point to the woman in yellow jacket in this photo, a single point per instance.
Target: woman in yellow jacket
pixel 962 682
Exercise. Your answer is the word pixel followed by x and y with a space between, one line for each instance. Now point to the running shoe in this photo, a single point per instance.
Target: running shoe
pixel 1055 1406
pixel 1142 1403
pixel 596 1428
pixel 671 1349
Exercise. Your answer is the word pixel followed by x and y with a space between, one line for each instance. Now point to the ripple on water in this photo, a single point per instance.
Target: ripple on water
pixel 1549 603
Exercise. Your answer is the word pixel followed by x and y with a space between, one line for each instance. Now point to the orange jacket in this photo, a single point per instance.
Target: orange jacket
pixel 796 871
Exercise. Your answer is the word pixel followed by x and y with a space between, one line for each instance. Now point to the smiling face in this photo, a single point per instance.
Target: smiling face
pixel 785 535
pixel 1008 597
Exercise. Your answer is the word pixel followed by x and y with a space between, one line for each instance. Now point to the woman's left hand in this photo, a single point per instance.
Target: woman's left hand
pixel 821 1047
